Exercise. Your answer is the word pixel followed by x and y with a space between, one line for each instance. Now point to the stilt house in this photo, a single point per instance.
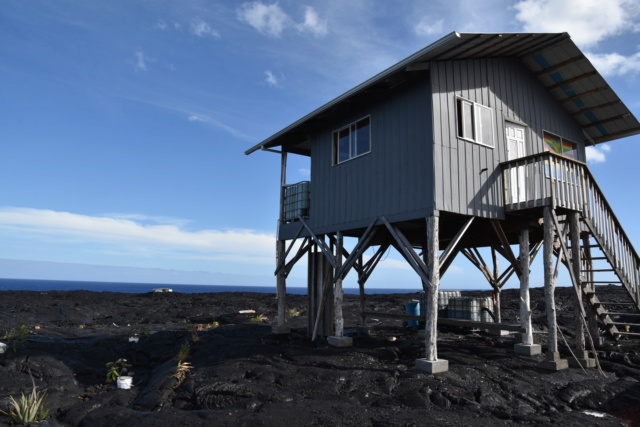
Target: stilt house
pixel 477 140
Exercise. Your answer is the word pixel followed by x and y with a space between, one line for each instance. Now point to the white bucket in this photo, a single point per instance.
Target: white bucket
pixel 124 382
pixel 134 339
pixel 3 347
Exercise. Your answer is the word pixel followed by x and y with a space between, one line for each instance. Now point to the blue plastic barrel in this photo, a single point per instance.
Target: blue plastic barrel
pixel 412 309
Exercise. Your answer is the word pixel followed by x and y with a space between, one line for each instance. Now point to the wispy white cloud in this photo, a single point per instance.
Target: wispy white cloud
pixel 597 154
pixel 141 61
pixel 304 172
pixel 587 21
pixel 427 27
pixel 134 236
pixel 201 29
pixel 271 20
pixel 209 120
pixel 614 64
pixel 312 23
pixel 271 79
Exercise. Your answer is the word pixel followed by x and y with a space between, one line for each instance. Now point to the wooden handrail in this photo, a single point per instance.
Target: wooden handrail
pixel 548 179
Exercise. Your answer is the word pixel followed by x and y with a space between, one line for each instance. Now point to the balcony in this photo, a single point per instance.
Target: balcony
pixel 546 179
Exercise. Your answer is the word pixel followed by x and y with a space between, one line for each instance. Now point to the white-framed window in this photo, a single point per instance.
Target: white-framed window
pixel 475 122
pixel 352 141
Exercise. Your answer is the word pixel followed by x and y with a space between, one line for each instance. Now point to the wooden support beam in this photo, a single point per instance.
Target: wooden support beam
pixel 372 263
pixel 505 245
pixel 447 321
pixel 433 282
pixel 495 283
pixel 409 253
pixel 574 279
pixel 549 281
pixel 456 239
pixel 525 304
pixel 283 259
pixel 361 246
pixel 281 281
pixel 304 248
pixel 321 243
pixel 445 266
pixel 475 261
pixel 502 280
pixel 337 289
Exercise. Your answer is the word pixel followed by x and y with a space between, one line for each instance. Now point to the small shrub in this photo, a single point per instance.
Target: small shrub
pixel 181 372
pixel 117 368
pixel 15 338
pixel 294 312
pixel 29 409
pixel 184 352
pixel 259 318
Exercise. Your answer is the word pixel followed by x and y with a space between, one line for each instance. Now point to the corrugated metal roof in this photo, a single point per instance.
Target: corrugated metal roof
pixel 553 57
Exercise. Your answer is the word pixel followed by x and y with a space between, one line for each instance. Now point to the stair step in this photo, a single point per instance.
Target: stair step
pixel 625 324
pixel 636 334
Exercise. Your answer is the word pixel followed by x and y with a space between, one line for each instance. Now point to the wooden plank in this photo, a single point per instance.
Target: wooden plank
pixel 448 321
pixel 454 243
pixel 505 245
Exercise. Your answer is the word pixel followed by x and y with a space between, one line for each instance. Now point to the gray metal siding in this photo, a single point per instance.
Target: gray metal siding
pixel 394 179
pixel 513 93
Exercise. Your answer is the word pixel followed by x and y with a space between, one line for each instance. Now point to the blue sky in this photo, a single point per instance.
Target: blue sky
pixel 123 124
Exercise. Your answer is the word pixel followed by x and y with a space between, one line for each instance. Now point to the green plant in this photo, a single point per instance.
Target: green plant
pixel 294 312
pixel 30 408
pixel 117 368
pixel 184 352
pixel 259 318
pixel 15 338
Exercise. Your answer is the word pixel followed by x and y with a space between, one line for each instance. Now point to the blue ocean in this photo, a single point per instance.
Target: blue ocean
pixel 139 288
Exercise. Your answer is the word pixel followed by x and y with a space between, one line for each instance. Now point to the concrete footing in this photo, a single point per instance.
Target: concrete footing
pixel 527 350
pixel 278 330
pixel 583 360
pixel 340 341
pixel 432 366
pixel 553 362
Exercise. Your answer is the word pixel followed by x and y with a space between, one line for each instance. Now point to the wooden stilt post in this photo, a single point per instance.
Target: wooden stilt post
pixel 431 363
pixel 281 281
pixel 338 339
pixel 526 347
pixel 361 286
pixel 553 360
pixel 496 285
pixel 581 355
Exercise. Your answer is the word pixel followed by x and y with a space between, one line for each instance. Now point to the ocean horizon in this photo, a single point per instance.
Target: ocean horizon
pixel 139 288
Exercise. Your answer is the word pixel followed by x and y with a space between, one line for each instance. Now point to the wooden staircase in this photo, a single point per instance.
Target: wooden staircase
pixel 608 258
